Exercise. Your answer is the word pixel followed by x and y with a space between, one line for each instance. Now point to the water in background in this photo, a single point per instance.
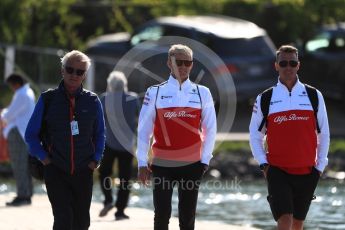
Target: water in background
pixel 241 203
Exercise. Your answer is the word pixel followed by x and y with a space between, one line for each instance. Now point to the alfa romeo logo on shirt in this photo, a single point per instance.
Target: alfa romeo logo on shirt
pixel 291 117
pixel 170 115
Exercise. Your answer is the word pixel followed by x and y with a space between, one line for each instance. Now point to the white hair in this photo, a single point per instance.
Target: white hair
pixel 117 81
pixel 80 56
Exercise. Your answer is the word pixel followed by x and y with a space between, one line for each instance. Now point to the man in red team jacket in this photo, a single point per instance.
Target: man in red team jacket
pixel 180 115
pixel 296 153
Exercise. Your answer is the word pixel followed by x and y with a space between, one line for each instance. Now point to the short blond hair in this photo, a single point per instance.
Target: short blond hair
pixel 76 54
pixel 179 48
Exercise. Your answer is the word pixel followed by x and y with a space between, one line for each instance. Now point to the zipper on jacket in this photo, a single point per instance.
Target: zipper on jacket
pixel 71 118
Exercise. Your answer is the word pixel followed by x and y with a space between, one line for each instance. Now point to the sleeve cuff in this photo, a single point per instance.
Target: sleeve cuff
pixel 142 163
pixel 206 161
pixel 42 156
pixel 320 168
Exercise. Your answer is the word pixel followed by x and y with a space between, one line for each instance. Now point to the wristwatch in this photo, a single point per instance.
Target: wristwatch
pixel 263 166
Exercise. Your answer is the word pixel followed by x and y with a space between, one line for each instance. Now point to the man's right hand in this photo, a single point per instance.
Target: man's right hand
pixel 2 123
pixel 46 161
pixel 266 170
pixel 144 174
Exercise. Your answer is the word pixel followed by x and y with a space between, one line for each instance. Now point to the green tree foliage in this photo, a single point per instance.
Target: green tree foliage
pixel 285 20
pixel 71 23
pixel 12 21
pixel 288 21
pixel 39 23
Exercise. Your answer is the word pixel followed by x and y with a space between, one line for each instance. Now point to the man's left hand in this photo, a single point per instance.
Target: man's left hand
pixel 93 165
pixel 205 167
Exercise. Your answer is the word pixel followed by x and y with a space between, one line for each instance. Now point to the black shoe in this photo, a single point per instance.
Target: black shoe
pixel 106 209
pixel 16 202
pixel 121 216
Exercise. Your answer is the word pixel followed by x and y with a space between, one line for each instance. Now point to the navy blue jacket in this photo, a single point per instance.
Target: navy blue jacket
pixel 69 153
pixel 120 129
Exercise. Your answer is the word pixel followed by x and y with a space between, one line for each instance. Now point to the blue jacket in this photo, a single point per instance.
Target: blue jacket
pixel 120 129
pixel 71 153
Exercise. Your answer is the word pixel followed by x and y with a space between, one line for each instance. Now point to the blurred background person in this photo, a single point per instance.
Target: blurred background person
pixel 121 109
pixel 4 157
pixel 14 119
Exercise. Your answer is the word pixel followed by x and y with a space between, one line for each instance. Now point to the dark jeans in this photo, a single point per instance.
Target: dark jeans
pixel 187 178
pixel 70 197
pixel 124 162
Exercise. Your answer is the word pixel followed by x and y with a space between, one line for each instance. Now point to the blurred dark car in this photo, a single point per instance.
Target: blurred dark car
pixel 246 50
pixel 323 61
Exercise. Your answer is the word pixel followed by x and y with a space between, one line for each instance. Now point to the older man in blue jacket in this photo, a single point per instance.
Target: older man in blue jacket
pixel 74 142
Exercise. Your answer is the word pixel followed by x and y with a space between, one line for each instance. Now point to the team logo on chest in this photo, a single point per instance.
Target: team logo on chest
pixel 291 117
pixel 179 114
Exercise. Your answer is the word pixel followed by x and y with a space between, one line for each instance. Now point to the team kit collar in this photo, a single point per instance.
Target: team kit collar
pixel 297 85
pixel 173 81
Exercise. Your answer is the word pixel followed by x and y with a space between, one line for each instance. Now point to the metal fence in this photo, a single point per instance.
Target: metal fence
pixel 40 66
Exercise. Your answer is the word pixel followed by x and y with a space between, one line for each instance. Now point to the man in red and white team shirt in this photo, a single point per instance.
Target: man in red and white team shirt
pixel 181 116
pixel 297 142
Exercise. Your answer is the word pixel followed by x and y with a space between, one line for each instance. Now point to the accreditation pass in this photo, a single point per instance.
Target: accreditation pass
pixel 74 128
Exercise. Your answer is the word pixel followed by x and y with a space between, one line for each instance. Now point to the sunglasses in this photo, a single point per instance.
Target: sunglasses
pixel 186 63
pixel 71 70
pixel 285 63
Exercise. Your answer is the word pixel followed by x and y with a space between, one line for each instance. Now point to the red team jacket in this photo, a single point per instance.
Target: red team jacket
pixel 293 143
pixel 182 121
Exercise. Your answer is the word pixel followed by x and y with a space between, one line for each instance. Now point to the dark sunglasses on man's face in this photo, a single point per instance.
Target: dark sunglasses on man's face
pixel 186 63
pixel 71 70
pixel 291 63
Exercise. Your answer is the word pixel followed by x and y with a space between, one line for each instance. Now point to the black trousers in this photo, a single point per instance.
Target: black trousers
pixel 70 197
pixel 124 162
pixel 188 179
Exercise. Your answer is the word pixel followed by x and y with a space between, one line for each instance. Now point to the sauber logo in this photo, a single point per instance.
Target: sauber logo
pixel 292 117
pixel 162 97
pixel 170 115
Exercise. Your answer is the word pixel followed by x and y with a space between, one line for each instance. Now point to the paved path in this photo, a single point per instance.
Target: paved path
pixel 38 216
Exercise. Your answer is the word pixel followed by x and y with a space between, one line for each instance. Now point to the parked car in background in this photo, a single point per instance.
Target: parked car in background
pixel 323 61
pixel 246 50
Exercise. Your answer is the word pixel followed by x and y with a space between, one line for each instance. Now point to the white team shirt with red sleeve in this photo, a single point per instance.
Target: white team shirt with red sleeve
pixel 182 121
pixel 291 136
